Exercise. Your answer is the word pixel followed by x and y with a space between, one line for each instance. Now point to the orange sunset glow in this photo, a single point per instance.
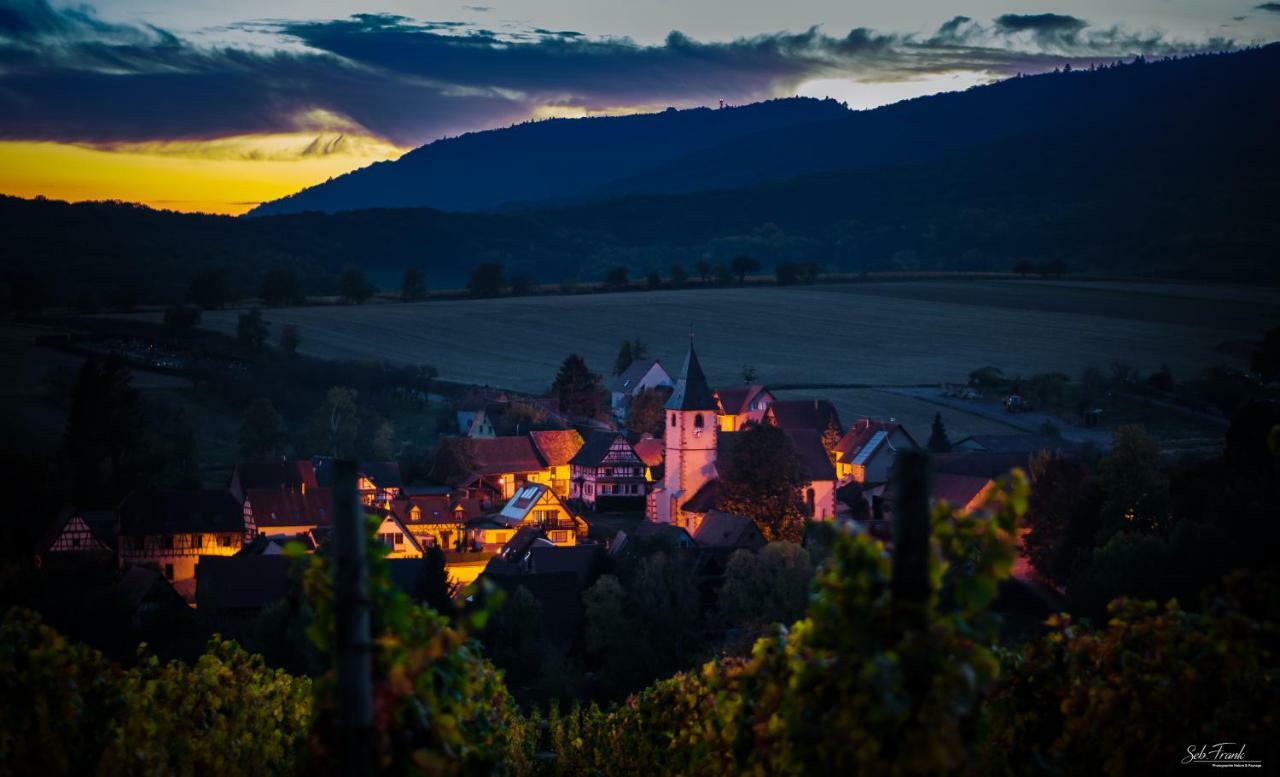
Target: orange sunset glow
pixel 223 175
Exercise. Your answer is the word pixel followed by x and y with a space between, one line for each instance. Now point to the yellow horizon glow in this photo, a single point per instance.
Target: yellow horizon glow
pixel 224 175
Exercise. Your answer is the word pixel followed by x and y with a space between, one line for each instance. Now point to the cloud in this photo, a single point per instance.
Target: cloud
pixel 1273 7
pixel 66 75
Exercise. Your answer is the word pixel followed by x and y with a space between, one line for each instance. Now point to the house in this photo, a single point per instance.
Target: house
pixel 741 405
pixel 650 450
pixel 289 475
pixel 475 423
pixel 241 585
pixel 171 530
pixel 396 536
pixel 377 482
pixel 724 530
pixel 649 534
pixel 965 493
pixel 639 375
pixel 607 474
pixel 281 510
pixel 79 534
pixel 147 597
pixel 436 515
pixel 535 506
pixel 865 453
pixel 820 492
pixel 557 448
pixel 501 465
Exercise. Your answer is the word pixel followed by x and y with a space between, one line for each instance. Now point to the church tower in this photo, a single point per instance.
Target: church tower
pixel 689 441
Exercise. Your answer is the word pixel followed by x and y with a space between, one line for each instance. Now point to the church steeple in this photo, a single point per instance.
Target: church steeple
pixel 692 391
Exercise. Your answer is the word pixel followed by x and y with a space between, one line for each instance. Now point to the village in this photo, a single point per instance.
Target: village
pixel 528 508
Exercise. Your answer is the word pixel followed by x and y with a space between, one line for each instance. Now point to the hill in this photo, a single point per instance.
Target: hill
pixel 554 160
pixel 1166 169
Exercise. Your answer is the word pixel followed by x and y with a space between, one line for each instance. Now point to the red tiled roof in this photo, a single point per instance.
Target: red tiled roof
pixel 957 490
pixel 496 455
pixel 804 414
pixel 281 507
pixel 736 400
pixel 862 432
pixel 808 444
pixel 651 451
pixel 557 446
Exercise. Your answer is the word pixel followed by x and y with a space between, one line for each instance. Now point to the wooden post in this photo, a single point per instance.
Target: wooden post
pixel 353 655
pixel 911 518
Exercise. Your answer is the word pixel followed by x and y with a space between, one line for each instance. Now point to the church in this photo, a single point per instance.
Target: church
pixel 693 441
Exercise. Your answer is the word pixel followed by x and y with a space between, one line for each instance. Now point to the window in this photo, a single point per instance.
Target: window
pixel 591 490
pixel 559 536
pixel 168 571
pixel 809 498
pixel 399 538
pixel 697 421
pixel 199 541
pixel 415 513
pixel 225 540
pixel 608 472
pixel 75 542
pixel 673 419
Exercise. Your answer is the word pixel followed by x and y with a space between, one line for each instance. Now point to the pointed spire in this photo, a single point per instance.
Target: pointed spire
pixel 692 391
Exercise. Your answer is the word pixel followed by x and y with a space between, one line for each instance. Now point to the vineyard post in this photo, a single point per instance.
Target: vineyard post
pixel 351 614
pixel 910 586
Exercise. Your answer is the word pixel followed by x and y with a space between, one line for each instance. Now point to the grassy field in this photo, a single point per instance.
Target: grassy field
pixel 828 340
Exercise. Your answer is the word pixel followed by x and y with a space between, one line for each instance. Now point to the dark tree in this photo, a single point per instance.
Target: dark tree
pixel 181 319
pixel 521 285
pixel 355 287
pixel 724 275
pixel 1059 527
pixel 742 265
pixel 678 276
pixel 617 279
pixel 703 269
pixel 261 432
pixel 413 286
pixel 455 459
pixel 251 330
pixel 654 279
pixel 1054 268
pixel 290 339
pixel 210 289
pixel 810 271
pixel 788 273
pixel 1024 267
pixel 434 588
pixel 280 287
pixel 104 427
pixel 577 388
pixel 939 442
pixel 1266 356
pixel 180 455
pixel 748 373
pixel 646 412
pixel 763 482
pixel 630 351
pixel 487 280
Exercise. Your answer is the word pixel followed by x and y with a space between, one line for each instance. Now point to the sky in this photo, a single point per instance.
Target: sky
pixel 216 105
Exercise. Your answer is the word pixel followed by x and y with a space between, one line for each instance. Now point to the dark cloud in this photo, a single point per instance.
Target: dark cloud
pixel 1273 7
pixel 66 75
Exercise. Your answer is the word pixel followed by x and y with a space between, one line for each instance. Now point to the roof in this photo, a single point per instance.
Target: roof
pixel 581 560
pixel 725 530
pixel 278 507
pixel 273 474
pixel 736 400
pixel 241 582
pixel 434 508
pixel 140 584
pixel 957 490
pixel 629 380
pixel 865 437
pixel 596 448
pixel 498 455
pixel 101 523
pixel 808 444
pixel 556 447
pixel 274 544
pixel 521 542
pixel 692 391
pixel 1015 443
pixel 651 450
pixel 704 500
pixel 180 512
pixel 647 532
pixel 816 414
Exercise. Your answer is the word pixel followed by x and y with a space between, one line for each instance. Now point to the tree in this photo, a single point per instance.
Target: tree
pixel 630 351
pixel 763 481
pixel 280 287
pixel 703 269
pixel 290 339
pixel 723 275
pixel 743 264
pixel 251 331
pixel 1093 387
pixel 434 588
pixel 487 280
pixel 986 377
pixel 1024 267
pixel 261 432
pixel 180 456
pixel 788 273
pixel 355 287
pixel 181 319
pixel 654 279
pixel 939 442
pixel 413 286
pixel 210 289
pixel 679 276
pixel 748 373
pixel 1266 356
pixel 336 423
pixel 1137 491
pixel 103 432
pixel 578 389
pixel 617 279
pixel 769 586
pixel 521 285
pixel 1062 516
pixel 647 411
pixel 455 459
